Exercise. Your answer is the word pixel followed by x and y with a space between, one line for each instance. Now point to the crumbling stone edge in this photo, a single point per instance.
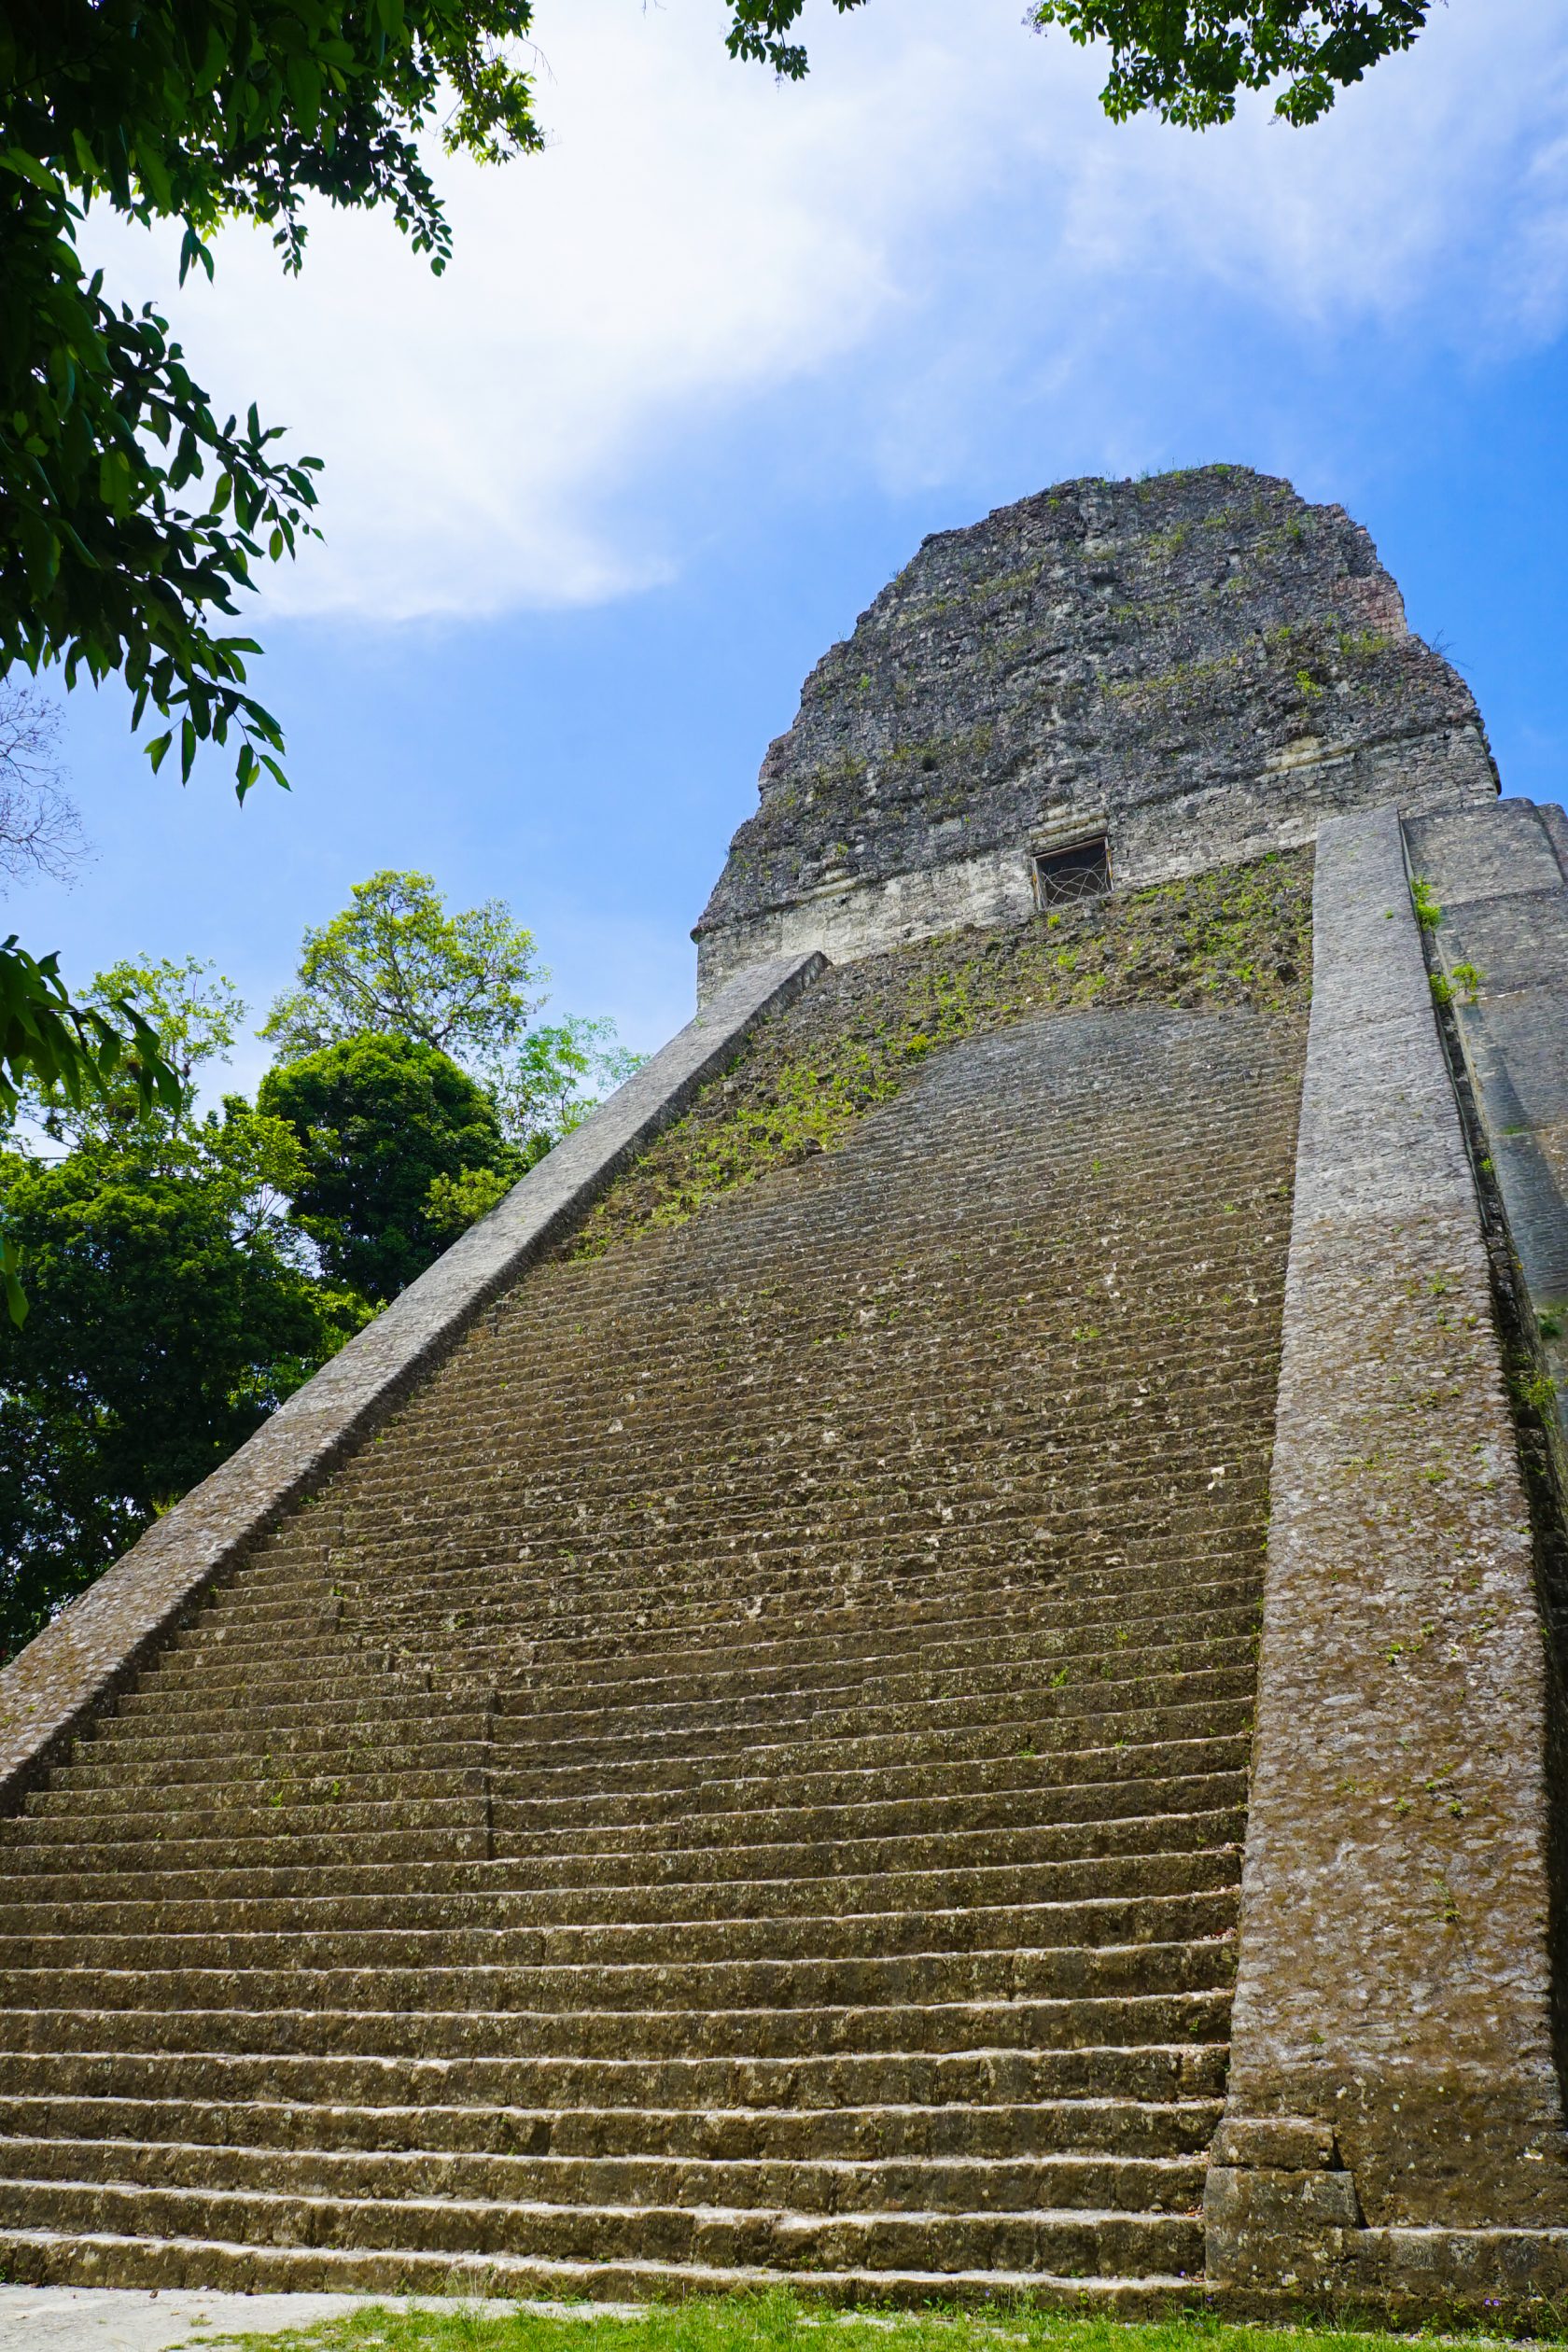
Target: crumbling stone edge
pixel 76 1664
pixel 1394 2128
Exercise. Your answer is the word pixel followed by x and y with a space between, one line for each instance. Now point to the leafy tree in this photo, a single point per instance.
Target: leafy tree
pixel 556 1078
pixel 143 1102
pixel 170 1313
pixel 196 1015
pixel 395 963
pixel 1185 59
pixel 380 1121
pixel 71 1054
pixel 131 517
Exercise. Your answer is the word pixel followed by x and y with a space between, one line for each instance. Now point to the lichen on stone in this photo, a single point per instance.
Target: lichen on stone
pixel 1241 936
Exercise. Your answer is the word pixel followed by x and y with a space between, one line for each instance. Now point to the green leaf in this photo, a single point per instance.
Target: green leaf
pixel 11 1281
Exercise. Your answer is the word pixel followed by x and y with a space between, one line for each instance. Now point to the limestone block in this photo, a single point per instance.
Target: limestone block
pixel 1394 1981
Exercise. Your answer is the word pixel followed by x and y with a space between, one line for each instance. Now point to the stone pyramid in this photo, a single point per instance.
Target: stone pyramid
pixel 930 1664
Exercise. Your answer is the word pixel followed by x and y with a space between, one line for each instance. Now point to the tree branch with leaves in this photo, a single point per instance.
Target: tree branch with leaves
pixel 1184 60
pixel 131 517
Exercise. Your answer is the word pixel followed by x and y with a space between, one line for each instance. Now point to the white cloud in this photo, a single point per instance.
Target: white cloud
pixel 939 206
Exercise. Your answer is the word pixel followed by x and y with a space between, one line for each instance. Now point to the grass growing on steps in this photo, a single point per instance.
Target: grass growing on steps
pixel 777 2322
pixel 1239 937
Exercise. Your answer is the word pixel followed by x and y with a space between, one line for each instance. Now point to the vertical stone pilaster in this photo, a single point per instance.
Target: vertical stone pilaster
pixel 1392 2054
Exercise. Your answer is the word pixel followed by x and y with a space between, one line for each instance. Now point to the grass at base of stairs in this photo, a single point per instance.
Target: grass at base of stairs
pixel 778 2322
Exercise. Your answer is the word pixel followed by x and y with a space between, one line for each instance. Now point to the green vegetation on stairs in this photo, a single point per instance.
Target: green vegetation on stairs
pixel 1240 936
pixel 779 2322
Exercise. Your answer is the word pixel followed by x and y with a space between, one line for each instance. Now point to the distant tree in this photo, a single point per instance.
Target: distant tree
pixel 196 1015
pixel 379 1122
pixel 171 1311
pixel 395 963
pixel 40 832
pixel 130 516
pixel 556 1078
pixel 1184 59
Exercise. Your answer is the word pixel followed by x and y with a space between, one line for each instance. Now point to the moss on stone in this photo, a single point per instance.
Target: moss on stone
pixel 1238 936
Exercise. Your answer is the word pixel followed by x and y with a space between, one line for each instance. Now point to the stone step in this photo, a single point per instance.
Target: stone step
pixel 988 1515
pixel 1065 1821
pixel 795 1577
pixel 1091 2020
pixel 1065 1627
pixel 1125 2127
pixel 520 1765
pixel 1014 1792
pixel 1044 1797
pixel 991 1384
pixel 1141 1918
pixel 561 1989
pixel 1025 1760
pixel 1122 2244
pixel 1002 1564
pixel 683 1577
pixel 777 1646
pixel 676 1686
pixel 808 2184
pixel 123 1750
pixel 332 2082
pixel 1154 1862
pixel 987 1561
pixel 45 2257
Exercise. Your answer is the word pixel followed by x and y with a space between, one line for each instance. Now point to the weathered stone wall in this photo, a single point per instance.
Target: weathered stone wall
pixel 1393 2085
pixel 1498 907
pixel 1203 664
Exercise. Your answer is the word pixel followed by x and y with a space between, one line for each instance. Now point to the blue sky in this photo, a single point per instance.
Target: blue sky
pixel 704 373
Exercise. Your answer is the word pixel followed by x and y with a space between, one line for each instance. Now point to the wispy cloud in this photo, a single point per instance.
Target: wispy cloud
pixel 940 208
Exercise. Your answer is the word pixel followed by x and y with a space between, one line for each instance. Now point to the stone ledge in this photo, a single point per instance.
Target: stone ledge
pixel 1392 1986
pixel 78 1663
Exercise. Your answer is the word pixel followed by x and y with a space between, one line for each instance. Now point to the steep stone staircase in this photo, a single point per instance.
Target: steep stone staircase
pixel 744 1775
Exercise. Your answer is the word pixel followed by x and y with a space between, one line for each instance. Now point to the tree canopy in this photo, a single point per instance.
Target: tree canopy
pixel 131 514
pixel 194 1015
pixel 378 1120
pixel 394 961
pixel 171 1311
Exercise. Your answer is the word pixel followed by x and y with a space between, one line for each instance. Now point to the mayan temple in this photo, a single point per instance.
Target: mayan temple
pixel 931 1663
